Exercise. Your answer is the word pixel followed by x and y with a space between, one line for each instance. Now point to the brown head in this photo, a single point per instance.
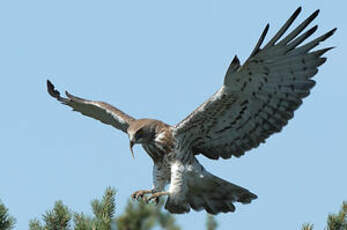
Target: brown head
pixel 144 131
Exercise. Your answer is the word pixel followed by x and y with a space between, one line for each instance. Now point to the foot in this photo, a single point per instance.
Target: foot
pixel 140 194
pixel 155 197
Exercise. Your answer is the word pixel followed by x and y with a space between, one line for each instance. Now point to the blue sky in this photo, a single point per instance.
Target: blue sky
pixel 159 59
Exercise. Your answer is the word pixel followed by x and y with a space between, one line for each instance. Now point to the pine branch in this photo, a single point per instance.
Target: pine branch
pixel 58 218
pixel 338 221
pixel 104 210
pixel 142 216
pixel 83 222
pixel 35 225
pixel 307 227
pixel 7 222
pixel 335 221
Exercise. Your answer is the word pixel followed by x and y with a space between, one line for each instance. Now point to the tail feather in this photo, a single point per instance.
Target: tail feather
pixel 216 195
pixel 202 190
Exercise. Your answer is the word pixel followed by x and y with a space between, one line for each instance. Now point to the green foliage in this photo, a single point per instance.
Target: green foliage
pixel 83 222
pixel 35 225
pixel 338 221
pixel 211 222
pixel 104 210
pixel 6 221
pixel 58 218
pixel 307 227
pixel 144 216
pixel 138 215
pixel 335 221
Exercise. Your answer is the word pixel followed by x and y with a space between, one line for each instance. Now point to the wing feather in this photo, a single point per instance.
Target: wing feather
pixel 284 28
pixel 258 98
pixel 101 111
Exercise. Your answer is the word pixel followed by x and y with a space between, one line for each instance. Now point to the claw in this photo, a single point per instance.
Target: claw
pixel 156 200
pixel 140 194
pixel 155 196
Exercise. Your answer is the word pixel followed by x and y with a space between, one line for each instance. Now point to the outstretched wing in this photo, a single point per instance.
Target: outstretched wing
pixel 98 110
pixel 258 98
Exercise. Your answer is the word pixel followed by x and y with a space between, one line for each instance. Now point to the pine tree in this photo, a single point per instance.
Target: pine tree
pixel 137 215
pixel 59 218
pixel 6 221
pixel 56 219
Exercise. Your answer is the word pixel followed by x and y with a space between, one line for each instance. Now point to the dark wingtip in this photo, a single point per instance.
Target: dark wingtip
pixel 329 34
pixel 68 94
pixel 51 90
pixel 260 40
pixel 247 197
pixel 295 14
pixel 235 61
pixel 330 48
pixel 267 27
pixel 322 61
pixel 312 16
pixel 297 11
pixel 323 51
pixel 316 12
pixel 314 28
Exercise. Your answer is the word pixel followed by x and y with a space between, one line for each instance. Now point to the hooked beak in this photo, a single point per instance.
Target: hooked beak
pixel 131 148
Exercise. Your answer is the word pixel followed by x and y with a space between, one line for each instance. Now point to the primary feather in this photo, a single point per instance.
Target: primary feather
pixel 258 98
pixel 101 111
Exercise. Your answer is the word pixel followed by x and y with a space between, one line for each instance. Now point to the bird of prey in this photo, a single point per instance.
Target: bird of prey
pixel 256 100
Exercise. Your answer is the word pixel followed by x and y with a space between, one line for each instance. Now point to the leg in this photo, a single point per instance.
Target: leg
pixel 159 181
pixel 139 194
pixel 155 197
pixel 177 200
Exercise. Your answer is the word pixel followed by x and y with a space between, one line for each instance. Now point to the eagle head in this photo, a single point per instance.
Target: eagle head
pixel 142 131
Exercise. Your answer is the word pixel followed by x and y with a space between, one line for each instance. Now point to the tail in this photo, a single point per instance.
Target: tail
pixel 215 195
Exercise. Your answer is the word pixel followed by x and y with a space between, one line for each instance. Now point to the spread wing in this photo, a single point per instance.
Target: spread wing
pixel 258 98
pixel 98 110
